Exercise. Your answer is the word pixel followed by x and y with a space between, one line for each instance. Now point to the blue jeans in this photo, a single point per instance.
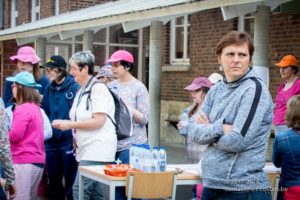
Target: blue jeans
pixel 216 194
pixel 93 190
pixel 61 163
pixel 2 193
pixel 124 157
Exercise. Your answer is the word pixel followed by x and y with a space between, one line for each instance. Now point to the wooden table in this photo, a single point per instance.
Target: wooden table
pixel 189 176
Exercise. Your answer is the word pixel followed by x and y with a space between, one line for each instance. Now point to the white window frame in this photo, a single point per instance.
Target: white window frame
pixel 14 13
pixel 56 7
pixel 185 60
pixel 34 10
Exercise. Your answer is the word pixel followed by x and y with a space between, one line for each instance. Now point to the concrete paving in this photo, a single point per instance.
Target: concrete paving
pixel 176 155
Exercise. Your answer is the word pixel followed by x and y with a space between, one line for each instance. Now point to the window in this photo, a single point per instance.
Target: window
pixel 35 11
pixel 14 13
pixel 179 45
pixel 249 25
pixel 56 7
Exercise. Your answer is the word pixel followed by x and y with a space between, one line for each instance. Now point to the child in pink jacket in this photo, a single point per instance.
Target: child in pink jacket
pixel 26 136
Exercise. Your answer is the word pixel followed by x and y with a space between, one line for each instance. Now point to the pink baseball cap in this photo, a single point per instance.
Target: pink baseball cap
pixel 26 54
pixel 120 55
pixel 198 83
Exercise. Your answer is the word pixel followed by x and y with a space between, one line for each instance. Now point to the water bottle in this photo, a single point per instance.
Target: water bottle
pixel 184 119
pixel 137 157
pixel 147 159
pixel 162 159
pixel 155 160
pixel 132 155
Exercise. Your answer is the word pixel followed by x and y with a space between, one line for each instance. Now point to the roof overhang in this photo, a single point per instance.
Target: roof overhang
pixel 230 12
pixel 131 14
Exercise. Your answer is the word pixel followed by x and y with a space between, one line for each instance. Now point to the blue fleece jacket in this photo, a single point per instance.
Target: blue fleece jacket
pixel 57 103
pixel 232 161
pixel 7 94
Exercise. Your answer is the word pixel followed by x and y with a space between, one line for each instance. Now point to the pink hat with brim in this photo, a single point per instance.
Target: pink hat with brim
pixel 26 54
pixel 198 83
pixel 120 55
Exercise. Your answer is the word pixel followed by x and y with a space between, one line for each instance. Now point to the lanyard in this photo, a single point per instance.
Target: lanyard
pixel 81 95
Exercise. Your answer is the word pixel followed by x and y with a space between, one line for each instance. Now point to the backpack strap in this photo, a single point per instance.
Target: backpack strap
pixel 89 99
pixel 254 105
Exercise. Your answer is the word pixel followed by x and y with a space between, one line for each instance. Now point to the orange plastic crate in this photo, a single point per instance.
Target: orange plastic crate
pixel 117 170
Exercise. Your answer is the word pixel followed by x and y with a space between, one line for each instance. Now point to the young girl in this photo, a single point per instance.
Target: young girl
pixel 26 136
pixel 198 89
pixel 286 151
pixel 26 60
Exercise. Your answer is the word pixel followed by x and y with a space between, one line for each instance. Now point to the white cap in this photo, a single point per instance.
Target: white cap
pixel 215 77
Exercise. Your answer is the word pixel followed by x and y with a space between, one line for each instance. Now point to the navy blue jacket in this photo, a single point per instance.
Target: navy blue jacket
pixel 57 103
pixel 7 94
pixel 286 154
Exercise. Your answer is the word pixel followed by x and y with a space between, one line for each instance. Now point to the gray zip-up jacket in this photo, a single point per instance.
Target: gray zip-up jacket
pixel 232 161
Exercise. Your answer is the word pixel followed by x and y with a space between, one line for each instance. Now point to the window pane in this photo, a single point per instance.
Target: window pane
pixel 37 16
pixel 179 43
pixel 78 47
pixel 100 36
pixel 118 36
pixel 63 50
pixel 179 21
pixel 79 38
pixel 249 26
pixel 99 52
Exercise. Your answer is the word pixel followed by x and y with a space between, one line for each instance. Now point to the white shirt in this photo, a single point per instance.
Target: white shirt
pixel 98 144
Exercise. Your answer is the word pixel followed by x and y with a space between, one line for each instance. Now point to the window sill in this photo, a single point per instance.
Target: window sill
pixel 176 68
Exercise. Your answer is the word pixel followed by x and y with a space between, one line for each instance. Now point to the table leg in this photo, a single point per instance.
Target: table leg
pixel 112 191
pixel 80 187
pixel 276 188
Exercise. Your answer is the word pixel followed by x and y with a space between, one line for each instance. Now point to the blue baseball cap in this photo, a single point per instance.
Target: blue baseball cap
pixel 24 78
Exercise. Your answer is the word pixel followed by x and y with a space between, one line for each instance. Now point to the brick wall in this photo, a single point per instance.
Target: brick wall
pixel 7 13
pixel 47 8
pixel 284 39
pixel 24 11
pixel 10 49
pixel 79 4
pixel 207 28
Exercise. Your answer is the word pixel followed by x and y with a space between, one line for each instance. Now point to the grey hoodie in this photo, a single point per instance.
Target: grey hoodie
pixel 232 161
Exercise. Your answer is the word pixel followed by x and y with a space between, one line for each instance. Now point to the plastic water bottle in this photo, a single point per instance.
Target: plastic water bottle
pixel 132 155
pixel 147 159
pixel 184 119
pixel 155 160
pixel 162 159
pixel 137 157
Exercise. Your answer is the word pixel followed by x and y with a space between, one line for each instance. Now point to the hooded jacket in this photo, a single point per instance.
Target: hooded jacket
pixel 57 102
pixel 233 161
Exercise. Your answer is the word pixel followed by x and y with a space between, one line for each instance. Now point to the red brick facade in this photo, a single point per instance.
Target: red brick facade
pixel 206 28
pixel 284 39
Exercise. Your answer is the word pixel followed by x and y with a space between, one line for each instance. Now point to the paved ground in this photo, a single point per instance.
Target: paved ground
pixel 176 155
